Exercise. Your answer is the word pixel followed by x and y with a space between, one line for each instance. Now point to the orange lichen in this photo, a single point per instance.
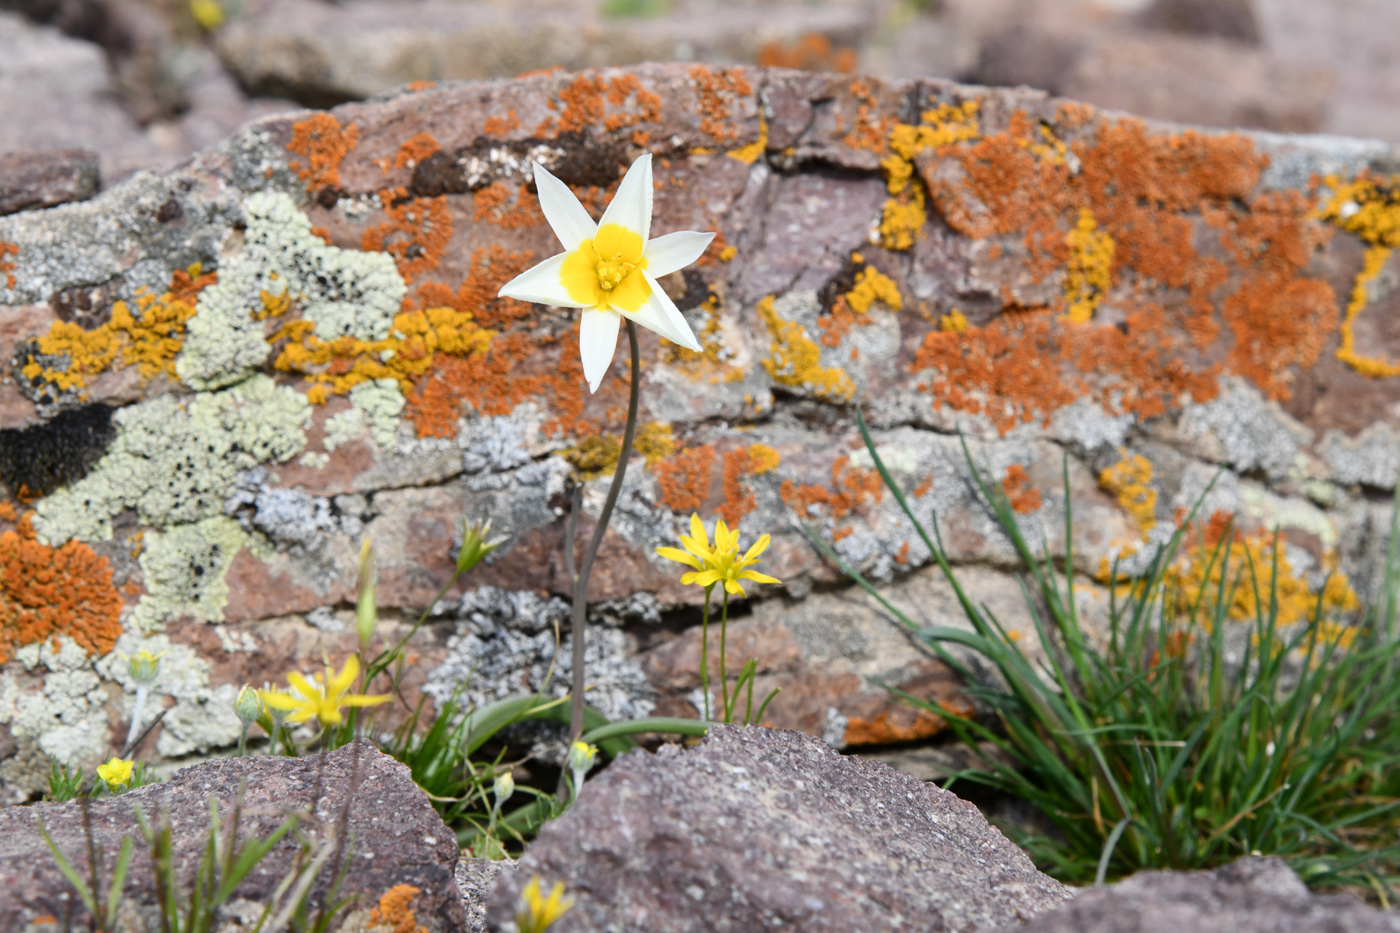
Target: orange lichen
pixel 149 340
pixel 685 478
pixel 416 86
pixel 717 89
pixel 850 488
pixel 923 487
pixel 416 233
pixel 497 125
pixel 493 204
pixel 416 149
pixel 870 130
pixel 809 52
pixel 394 912
pixel 323 143
pixel 47 592
pixel 586 102
pixel 1156 197
pixel 842 533
pixel 7 268
pixel 901 556
pixel 1022 496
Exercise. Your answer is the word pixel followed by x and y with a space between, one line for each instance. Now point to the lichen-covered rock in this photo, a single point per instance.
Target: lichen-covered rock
pixel 218 380
pixel 1253 895
pixel 769 829
pixel 394 836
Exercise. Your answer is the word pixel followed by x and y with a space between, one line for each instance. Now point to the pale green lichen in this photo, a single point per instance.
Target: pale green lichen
pixel 377 406
pixel 185 569
pixel 343 292
pixel 174 459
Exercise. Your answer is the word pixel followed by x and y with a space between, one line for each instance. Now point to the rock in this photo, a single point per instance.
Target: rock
pixel 56 93
pixel 229 498
pixel 1253 895
pixel 475 878
pixel 396 837
pixel 322 54
pixel 1225 19
pixel 765 829
pixel 31 180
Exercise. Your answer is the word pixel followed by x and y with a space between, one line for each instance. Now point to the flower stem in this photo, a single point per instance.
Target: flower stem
pixel 581 581
pixel 137 709
pixel 705 651
pixel 723 669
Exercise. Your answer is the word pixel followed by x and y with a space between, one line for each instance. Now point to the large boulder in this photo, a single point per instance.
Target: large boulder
pixel 393 837
pixel 769 829
pixel 311 351
pixel 1253 895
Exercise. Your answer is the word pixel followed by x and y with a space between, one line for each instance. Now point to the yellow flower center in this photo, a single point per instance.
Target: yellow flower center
pixel 606 271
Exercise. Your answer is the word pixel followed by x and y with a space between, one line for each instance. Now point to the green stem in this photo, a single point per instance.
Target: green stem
pixel 705 651
pixel 723 668
pixel 581 581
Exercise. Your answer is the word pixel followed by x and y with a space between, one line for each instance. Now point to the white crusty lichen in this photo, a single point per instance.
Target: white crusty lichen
pixel 67 714
pixel 185 569
pixel 376 407
pixel 174 459
pixel 345 293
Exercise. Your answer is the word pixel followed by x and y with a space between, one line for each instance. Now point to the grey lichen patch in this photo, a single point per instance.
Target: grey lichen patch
pixel 506 646
pixel 174 459
pixel 116 234
pixel 67 712
pixel 376 409
pixel 185 570
pixel 345 293
pixel 1372 458
pixel 1244 430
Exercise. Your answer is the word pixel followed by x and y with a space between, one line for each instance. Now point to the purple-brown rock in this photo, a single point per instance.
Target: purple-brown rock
pixel 31 180
pixel 763 829
pixel 1253 895
pixel 395 836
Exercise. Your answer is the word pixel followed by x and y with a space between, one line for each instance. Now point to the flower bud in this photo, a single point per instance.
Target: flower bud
pixel 581 758
pixel 503 788
pixel 366 613
pixel 248 706
pixel 475 544
pixel 143 667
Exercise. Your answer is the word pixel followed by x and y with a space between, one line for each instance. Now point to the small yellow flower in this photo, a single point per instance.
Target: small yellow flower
pixel 115 773
pixel 323 699
pixel 536 913
pixel 720 562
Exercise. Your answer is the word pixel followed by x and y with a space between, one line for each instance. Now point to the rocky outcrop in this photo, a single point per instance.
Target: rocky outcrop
pixel 219 379
pixel 392 836
pixel 1253 895
pixel 768 829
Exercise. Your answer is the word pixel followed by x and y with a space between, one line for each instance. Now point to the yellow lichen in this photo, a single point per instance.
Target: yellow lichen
pixel 1251 583
pixel 711 361
pixel 1372 213
pixel 1130 482
pixel 1089 273
pixel 954 322
pixel 597 456
pixel 903 216
pixel 763 459
pixel 795 359
pixel 337 366
pixel 871 286
pixel 149 340
pixel 750 153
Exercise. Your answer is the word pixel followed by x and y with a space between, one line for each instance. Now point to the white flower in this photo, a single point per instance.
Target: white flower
pixel 609 269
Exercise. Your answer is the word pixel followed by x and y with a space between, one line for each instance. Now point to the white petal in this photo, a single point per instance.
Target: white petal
pixel 541 285
pixel 597 341
pixel 666 254
pixel 631 206
pixel 565 214
pixel 660 314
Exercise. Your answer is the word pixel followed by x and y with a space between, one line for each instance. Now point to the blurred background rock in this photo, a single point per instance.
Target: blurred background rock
pixel 145 83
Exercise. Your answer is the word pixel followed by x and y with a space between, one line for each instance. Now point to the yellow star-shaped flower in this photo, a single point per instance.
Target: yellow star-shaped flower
pixel 720 562
pixel 115 772
pixel 322 699
pixel 536 913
